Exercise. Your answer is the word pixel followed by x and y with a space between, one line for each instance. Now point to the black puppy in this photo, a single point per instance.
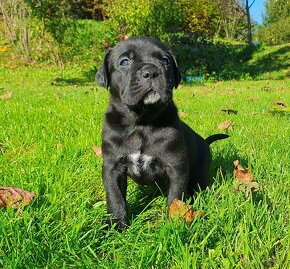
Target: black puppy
pixel 143 136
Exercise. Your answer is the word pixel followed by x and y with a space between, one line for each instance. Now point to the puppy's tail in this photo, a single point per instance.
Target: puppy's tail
pixel 216 137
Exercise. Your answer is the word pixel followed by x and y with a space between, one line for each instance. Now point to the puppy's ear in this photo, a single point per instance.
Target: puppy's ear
pixel 103 75
pixel 176 72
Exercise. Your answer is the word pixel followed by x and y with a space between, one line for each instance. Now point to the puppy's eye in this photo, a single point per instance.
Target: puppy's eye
pixel 165 61
pixel 125 62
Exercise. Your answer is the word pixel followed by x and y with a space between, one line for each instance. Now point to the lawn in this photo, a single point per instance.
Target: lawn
pixel 48 129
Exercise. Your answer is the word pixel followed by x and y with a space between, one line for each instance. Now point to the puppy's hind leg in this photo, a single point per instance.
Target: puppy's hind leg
pixel 177 184
pixel 199 174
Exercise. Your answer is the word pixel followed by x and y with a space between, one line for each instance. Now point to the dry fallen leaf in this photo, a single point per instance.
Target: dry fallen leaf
pixel 14 197
pixel 98 151
pixel 229 111
pixel 251 99
pixel 182 114
pixel 225 125
pixel 246 183
pixel 279 103
pixel 241 173
pixel 183 211
pixel 266 88
pixel 6 95
pixel 106 44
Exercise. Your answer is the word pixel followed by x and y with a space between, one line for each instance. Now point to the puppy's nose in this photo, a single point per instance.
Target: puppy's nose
pixel 150 73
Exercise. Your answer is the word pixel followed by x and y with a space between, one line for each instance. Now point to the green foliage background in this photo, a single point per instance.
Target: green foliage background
pixel 276 22
pixel 65 32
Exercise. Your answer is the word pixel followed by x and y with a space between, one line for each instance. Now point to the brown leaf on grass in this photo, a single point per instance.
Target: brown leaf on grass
pixel 6 95
pixel 229 111
pixel 98 151
pixel 183 211
pixel 279 103
pixel 106 44
pixel 54 83
pixel 241 173
pixel 14 197
pixel 182 114
pixel 58 96
pixel 216 84
pixel 232 101
pixel 251 99
pixel 225 125
pixel 266 88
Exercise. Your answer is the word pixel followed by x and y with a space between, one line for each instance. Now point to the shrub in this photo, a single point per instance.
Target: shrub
pixel 144 17
pixel 164 20
pixel 275 33
pixel 83 41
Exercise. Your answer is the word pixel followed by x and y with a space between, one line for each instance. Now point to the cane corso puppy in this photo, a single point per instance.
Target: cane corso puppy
pixel 143 136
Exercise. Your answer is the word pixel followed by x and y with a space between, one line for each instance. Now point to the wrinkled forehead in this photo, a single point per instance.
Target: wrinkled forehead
pixel 139 48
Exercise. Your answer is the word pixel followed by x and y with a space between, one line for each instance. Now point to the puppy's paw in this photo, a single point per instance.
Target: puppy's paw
pixel 116 224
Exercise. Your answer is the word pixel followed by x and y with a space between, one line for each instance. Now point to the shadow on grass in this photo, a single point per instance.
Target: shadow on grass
pixel 274 61
pixel 222 162
pixel 221 61
pixel 70 82
pixel 143 199
pixel 86 78
pixel 226 61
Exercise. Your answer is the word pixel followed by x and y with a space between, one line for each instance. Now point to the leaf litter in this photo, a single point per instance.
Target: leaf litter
pixel 181 210
pixel 225 125
pixel 15 197
pixel 246 183
pixel 98 151
pixel 6 95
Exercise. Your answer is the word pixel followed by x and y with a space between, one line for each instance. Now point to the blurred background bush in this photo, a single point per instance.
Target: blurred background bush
pixel 211 38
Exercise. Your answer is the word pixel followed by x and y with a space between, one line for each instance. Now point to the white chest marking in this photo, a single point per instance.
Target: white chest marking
pixel 140 162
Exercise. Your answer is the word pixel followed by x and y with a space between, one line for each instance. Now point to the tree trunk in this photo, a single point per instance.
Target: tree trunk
pixel 250 39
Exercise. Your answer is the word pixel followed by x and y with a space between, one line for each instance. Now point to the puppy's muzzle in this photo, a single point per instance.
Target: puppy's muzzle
pixel 149 73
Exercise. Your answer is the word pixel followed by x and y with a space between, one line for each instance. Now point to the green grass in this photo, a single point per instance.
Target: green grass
pixel 47 132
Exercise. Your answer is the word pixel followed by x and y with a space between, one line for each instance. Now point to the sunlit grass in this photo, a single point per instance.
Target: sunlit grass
pixel 47 131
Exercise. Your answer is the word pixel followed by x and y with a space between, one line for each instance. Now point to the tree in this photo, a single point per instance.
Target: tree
pixel 275 11
pixel 276 22
pixel 18 21
pixel 164 19
pixel 198 17
pixel 232 20
pixel 245 6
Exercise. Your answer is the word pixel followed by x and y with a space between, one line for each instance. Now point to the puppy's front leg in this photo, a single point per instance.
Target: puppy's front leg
pixel 115 182
pixel 178 184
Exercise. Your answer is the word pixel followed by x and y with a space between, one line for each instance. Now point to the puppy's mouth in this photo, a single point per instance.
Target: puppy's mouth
pixel 151 97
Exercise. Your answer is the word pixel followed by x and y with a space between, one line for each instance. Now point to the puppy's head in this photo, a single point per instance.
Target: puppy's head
pixel 140 72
